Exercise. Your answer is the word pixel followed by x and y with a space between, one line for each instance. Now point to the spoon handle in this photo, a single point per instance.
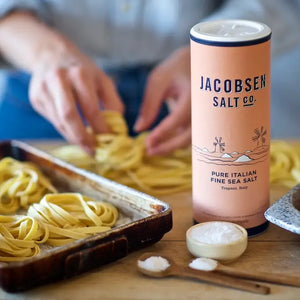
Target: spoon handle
pixel 221 279
pixel 261 276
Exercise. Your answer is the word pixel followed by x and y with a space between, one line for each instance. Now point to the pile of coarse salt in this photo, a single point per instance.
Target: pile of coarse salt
pixel 204 264
pixel 154 263
pixel 216 233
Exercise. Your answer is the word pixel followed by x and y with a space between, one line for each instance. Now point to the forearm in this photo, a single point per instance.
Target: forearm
pixel 25 41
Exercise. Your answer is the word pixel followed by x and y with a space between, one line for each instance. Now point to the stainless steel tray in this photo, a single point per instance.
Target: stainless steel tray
pixel 285 212
pixel 148 219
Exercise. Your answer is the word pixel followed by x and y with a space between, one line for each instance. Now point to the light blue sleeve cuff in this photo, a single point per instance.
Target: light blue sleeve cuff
pixel 282 18
pixel 38 7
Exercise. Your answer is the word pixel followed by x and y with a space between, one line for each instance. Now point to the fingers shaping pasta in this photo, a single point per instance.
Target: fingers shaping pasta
pixel 124 159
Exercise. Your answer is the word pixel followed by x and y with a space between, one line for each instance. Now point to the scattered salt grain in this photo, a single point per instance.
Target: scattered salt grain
pixel 204 264
pixel 154 263
pixel 216 233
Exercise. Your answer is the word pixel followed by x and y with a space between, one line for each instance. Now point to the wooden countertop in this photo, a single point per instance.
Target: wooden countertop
pixel 275 250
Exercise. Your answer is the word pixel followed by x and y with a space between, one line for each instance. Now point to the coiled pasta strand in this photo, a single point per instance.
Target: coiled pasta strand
pixel 19 237
pixel 284 163
pixel 58 219
pixel 124 159
pixel 72 216
pixel 21 183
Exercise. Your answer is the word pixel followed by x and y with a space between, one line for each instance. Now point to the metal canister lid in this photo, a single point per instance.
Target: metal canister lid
pixel 230 31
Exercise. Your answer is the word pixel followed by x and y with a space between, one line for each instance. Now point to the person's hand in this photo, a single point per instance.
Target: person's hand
pixel 66 82
pixel 169 81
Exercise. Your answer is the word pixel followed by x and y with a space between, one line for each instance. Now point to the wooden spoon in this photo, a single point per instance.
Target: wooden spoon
pixel 260 276
pixel 221 279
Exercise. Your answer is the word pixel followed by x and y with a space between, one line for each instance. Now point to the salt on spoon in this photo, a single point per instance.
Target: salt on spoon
pixel 204 264
pixel 208 264
pixel 154 263
pixel 157 266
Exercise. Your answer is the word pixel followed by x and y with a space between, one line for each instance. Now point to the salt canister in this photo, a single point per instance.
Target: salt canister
pixel 230 80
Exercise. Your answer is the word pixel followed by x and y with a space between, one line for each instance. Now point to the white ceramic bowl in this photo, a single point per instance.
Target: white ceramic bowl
pixel 223 251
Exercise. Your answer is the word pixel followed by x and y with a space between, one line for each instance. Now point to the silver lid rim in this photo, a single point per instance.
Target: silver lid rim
pixel 198 31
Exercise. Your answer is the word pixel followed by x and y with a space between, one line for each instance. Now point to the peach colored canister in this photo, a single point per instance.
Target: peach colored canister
pixel 230 71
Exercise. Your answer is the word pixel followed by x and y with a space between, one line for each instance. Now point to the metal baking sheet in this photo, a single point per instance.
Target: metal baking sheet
pixel 285 212
pixel 144 221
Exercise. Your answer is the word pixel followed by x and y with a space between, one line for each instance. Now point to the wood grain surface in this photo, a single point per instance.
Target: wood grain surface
pixel 275 250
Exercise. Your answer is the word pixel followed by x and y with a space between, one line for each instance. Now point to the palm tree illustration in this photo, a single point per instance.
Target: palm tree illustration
pixel 218 142
pixel 259 135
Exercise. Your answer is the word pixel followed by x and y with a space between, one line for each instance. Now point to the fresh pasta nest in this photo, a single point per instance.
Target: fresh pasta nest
pixel 124 159
pixel 285 163
pixel 52 218
pixel 71 216
pixel 19 237
pixel 57 220
pixel 21 184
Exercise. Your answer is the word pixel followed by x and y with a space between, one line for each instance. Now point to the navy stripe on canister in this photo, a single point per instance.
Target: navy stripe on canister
pixel 232 44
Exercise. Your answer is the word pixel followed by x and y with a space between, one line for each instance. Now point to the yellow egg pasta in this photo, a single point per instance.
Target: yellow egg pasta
pixel 19 237
pixel 72 216
pixel 21 184
pixel 284 163
pixel 60 218
pixel 124 159
pixel 57 220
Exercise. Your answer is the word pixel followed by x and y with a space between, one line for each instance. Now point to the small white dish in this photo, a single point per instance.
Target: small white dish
pixel 222 251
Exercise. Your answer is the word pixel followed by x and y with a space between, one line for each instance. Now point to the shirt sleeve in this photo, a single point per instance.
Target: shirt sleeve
pixel 283 17
pixel 38 7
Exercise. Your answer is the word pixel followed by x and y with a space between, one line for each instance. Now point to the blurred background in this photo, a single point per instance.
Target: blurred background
pixel 127 39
